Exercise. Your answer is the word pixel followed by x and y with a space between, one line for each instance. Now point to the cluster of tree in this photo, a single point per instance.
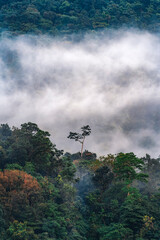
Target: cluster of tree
pixel 37 199
pixel 41 197
pixel 67 16
pixel 117 209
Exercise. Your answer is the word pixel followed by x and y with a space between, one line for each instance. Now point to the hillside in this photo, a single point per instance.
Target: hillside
pixel 54 17
pixel 48 195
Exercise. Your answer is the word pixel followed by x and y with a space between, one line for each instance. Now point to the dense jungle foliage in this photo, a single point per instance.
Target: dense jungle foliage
pixel 48 195
pixel 62 16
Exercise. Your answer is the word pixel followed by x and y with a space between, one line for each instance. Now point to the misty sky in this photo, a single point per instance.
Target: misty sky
pixel 110 81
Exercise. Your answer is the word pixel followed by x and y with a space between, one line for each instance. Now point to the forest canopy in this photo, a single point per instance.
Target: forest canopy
pixel 46 194
pixel 55 17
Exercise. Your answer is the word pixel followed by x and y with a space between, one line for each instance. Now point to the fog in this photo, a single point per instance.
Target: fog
pixel 110 81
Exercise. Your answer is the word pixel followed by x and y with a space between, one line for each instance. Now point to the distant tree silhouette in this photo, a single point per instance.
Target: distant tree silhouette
pixel 80 137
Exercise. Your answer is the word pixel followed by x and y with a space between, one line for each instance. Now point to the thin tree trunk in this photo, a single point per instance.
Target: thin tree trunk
pixel 82 147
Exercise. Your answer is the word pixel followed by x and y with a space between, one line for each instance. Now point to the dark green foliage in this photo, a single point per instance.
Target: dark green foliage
pixel 31 145
pixel 152 168
pixel 14 166
pixel 41 199
pixel 132 212
pixel 2 223
pixel 86 131
pixel 115 231
pixel 41 16
pixel 5 132
pixel 89 156
pixel 103 177
pixel 50 212
pixel 126 167
pixel 68 169
pixel 120 211
pixel 20 231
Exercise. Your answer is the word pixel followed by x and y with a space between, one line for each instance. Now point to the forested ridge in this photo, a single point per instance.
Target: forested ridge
pixel 55 17
pixel 48 194
pixel 51 195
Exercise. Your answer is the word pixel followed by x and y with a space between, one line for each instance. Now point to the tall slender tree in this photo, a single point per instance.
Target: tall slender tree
pixel 80 137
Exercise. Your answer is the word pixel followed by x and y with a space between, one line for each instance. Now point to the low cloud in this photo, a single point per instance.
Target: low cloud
pixel 110 81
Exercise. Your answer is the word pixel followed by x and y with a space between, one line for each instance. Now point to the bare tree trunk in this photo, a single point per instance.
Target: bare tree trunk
pixel 82 147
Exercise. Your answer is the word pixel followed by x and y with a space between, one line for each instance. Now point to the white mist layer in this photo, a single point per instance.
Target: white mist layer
pixel 111 82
